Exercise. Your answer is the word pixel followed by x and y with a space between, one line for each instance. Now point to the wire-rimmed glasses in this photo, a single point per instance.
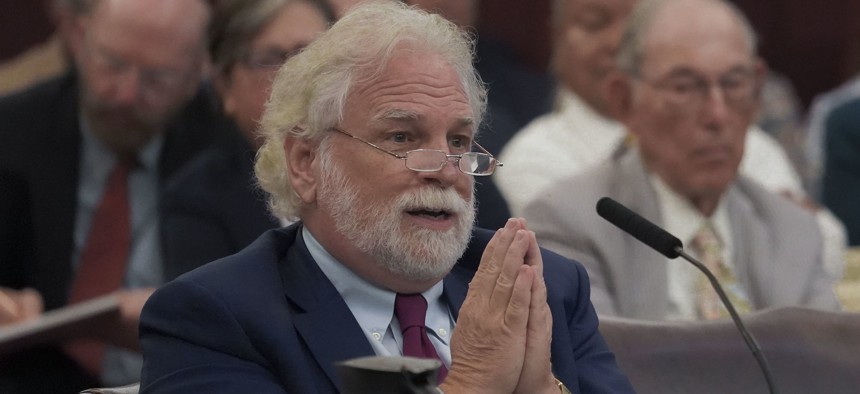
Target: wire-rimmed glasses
pixel 691 90
pixel 432 160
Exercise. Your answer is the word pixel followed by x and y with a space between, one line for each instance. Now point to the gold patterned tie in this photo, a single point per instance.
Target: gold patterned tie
pixel 708 247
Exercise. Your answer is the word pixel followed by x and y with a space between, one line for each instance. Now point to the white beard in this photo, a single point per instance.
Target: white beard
pixel 377 228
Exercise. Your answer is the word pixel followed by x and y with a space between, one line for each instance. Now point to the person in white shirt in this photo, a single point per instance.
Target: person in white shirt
pixel 688 86
pixel 581 131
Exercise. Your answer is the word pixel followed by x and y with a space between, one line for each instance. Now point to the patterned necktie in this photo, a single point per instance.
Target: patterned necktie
pixel 708 247
pixel 411 310
pixel 103 260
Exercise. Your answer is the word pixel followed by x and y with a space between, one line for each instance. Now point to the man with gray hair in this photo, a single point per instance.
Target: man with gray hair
pixel 688 87
pixel 370 145
pixel 93 149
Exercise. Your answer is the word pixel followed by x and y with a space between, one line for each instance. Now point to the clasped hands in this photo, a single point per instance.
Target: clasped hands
pixel 504 330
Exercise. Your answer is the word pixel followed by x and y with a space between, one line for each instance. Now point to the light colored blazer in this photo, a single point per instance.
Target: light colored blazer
pixel 777 244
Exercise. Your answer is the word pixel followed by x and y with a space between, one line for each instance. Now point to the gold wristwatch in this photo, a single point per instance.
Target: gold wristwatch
pixel 561 387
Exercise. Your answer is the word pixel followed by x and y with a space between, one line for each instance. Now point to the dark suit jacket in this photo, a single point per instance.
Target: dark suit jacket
pixel 840 183
pixel 41 143
pixel 267 320
pixel 213 208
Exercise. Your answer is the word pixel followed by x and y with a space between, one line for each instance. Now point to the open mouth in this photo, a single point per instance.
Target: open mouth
pixel 431 214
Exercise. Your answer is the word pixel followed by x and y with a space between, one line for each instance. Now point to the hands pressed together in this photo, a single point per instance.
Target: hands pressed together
pixel 504 330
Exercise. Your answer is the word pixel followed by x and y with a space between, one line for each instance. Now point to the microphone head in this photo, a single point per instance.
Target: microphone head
pixel 642 229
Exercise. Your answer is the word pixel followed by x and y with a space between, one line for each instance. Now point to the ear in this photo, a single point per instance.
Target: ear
pixel 760 71
pixel 618 90
pixel 302 167
pixel 74 30
pixel 221 83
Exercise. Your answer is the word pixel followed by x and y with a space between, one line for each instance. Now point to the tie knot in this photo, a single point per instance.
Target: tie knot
pixel 706 240
pixel 410 310
pixel 119 174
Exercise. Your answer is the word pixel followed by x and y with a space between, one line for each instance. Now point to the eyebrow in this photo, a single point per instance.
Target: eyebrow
pixel 397 114
pixel 686 72
pixel 404 115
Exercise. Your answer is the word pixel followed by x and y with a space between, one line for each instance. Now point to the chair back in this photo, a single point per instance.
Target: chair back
pixel 808 351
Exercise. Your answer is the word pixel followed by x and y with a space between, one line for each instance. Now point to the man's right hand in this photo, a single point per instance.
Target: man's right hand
pixel 19 305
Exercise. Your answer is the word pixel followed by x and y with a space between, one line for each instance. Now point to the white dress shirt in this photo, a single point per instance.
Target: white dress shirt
pixel 680 218
pixel 571 138
pixel 144 267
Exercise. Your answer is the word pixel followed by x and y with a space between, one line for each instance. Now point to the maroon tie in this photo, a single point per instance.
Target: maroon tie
pixel 410 310
pixel 103 260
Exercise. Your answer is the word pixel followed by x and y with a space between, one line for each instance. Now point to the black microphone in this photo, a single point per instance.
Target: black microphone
pixel 649 233
pixel 670 246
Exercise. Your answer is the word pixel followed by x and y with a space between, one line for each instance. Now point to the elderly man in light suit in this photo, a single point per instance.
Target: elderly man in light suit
pixel 687 88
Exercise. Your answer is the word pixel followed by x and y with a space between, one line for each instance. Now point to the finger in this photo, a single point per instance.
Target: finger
pixel 537 366
pixel 517 312
pixel 533 256
pixel 493 256
pixel 9 310
pixel 512 261
pixel 540 318
pixel 485 276
pixel 31 304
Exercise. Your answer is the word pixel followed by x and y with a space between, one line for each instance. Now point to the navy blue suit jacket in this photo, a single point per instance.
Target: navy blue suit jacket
pixel 267 320
pixel 213 208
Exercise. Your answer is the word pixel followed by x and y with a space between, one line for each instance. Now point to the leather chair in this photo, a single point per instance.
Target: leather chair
pixel 808 351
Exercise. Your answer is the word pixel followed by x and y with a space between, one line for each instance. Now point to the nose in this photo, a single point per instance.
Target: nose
pixel 127 87
pixel 613 35
pixel 714 102
pixel 448 174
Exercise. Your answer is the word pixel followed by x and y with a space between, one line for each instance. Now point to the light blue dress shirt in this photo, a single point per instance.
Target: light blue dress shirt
pixel 144 268
pixel 373 306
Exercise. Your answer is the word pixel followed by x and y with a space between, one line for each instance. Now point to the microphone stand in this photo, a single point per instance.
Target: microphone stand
pixel 751 342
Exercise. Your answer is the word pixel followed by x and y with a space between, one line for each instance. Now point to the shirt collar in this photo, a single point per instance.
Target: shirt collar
pixel 575 109
pixel 97 154
pixel 682 219
pixel 372 306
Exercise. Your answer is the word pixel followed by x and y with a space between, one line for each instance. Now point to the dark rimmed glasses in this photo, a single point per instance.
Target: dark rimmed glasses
pixel 432 160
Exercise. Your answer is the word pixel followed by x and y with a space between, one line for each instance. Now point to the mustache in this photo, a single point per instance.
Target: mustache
pixel 433 198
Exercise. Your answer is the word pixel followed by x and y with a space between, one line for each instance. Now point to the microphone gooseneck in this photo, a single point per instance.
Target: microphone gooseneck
pixel 670 246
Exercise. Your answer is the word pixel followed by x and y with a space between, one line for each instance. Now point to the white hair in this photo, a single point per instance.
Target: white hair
pixel 311 89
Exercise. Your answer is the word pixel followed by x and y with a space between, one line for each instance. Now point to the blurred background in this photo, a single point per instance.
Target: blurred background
pixel 816 44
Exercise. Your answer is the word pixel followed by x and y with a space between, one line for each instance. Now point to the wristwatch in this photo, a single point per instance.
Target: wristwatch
pixel 561 387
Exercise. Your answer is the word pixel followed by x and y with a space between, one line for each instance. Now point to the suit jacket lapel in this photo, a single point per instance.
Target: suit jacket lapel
pixel 53 183
pixel 646 270
pixel 748 245
pixel 322 318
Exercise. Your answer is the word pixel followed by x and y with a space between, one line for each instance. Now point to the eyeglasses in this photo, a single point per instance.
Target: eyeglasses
pixel 432 160
pixel 153 81
pixel 690 90
pixel 270 59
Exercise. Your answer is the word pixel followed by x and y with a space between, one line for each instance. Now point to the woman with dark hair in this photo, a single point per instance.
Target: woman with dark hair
pixel 213 209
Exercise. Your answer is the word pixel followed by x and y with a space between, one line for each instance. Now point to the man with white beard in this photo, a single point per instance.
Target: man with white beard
pixel 370 145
